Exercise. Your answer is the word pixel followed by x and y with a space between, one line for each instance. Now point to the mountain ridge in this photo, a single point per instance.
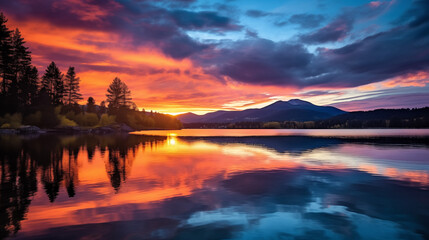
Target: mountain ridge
pixel 292 110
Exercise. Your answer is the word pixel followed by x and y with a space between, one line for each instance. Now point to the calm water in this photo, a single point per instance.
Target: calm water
pixel 289 132
pixel 175 186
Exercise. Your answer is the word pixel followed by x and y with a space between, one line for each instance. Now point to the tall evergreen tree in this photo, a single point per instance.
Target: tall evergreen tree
pixel 58 97
pixel 5 54
pixel 52 82
pixel 118 94
pixel 126 100
pixel 28 85
pixel 21 68
pixel 21 59
pixel 71 86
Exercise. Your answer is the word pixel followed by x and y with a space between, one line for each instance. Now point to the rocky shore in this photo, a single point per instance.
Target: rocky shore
pixel 115 128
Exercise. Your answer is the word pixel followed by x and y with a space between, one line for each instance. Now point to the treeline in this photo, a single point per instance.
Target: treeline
pixel 380 118
pixel 53 100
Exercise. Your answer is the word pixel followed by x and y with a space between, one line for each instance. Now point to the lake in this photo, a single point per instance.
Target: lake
pixel 217 184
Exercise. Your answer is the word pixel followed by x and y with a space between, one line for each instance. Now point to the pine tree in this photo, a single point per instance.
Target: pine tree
pixel 58 97
pixel 102 108
pixel 118 94
pixel 21 62
pixel 52 82
pixel 90 105
pixel 71 85
pixel 28 85
pixel 5 54
pixel 126 100
pixel 21 58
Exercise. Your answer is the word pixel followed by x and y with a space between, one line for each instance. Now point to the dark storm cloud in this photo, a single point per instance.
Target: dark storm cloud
pixel 260 61
pixel 143 21
pixel 342 25
pixel 385 55
pixel 401 50
pixel 181 46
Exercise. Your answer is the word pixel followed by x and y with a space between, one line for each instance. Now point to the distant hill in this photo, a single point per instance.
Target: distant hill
pixel 383 114
pixel 292 110
pixel 380 118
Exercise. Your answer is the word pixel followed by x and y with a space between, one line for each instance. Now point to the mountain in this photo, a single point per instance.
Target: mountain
pixel 292 110
pixel 188 117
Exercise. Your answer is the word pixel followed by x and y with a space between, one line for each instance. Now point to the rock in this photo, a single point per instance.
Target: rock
pixel 115 128
pixel 29 129
pixel 125 128
pixel 102 130
pixel 71 129
pixel 8 131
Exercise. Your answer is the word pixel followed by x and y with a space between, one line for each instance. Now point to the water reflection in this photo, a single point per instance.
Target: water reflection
pixel 56 160
pixel 140 187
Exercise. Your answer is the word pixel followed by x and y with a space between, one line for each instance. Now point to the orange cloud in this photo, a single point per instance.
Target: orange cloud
pixel 419 79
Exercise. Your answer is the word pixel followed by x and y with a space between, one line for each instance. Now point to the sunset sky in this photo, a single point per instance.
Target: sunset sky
pixel 204 55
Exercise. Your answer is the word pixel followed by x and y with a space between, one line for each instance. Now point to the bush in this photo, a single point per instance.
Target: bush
pixel 106 120
pixel 70 115
pixel 65 122
pixel 90 119
pixel 11 121
pixel 79 119
pixel 5 125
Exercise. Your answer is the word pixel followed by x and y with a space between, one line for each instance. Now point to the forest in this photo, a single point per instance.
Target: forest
pixel 53 100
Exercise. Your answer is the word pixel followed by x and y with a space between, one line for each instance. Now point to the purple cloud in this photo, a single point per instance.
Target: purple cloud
pixel 342 25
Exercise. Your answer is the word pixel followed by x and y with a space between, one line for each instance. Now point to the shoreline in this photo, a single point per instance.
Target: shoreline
pixel 110 129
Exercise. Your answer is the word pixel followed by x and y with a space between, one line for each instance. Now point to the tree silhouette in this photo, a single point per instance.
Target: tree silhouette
pixel 71 87
pixel 102 108
pixel 90 105
pixel 21 60
pixel 5 53
pixel 28 85
pixel 118 94
pixel 52 82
